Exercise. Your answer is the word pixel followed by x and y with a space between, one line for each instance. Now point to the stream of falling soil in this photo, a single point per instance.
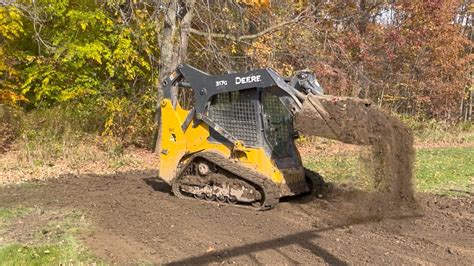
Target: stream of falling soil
pixel 360 122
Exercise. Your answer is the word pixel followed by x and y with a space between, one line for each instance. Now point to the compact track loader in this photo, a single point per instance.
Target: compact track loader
pixel 230 138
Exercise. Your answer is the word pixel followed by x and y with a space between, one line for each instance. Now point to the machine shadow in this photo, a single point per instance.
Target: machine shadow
pixel 304 240
pixel 157 184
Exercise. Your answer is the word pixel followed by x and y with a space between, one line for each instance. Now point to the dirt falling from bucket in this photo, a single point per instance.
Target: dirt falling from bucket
pixel 359 122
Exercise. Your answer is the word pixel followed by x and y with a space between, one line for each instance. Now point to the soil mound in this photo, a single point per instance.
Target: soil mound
pixel 360 122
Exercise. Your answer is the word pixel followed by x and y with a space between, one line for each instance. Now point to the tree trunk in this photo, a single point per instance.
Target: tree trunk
pixel 167 37
pixel 167 40
pixel 185 28
pixel 173 51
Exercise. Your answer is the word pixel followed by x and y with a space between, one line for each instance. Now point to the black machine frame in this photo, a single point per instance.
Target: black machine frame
pixel 206 86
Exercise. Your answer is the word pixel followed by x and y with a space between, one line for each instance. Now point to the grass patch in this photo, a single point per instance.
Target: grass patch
pixel 437 170
pixel 445 169
pixel 433 131
pixel 51 239
pixel 10 213
pixel 67 252
pixel 341 169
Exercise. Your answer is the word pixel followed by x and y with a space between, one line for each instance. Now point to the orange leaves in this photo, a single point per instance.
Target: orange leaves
pixel 9 97
pixel 429 55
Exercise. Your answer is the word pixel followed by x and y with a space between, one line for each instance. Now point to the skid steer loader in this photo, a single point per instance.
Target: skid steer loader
pixel 230 138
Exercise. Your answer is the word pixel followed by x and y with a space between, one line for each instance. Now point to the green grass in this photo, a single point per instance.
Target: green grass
pixel 445 169
pixel 430 130
pixel 67 252
pixel 9 213
pixel 437 170
pixel 341 169
pixel 54 243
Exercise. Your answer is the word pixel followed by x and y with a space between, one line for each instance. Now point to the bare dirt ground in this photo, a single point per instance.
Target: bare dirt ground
pixel 133 218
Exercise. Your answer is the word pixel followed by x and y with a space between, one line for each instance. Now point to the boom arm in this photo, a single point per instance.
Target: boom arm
pixel 205 86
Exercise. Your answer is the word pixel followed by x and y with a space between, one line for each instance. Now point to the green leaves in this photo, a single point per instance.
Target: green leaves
pixel 96 19
pixel 80 52
pixel 128 58
pixel 79 55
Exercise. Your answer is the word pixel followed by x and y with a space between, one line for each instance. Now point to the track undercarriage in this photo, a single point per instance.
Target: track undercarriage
pixel 213 178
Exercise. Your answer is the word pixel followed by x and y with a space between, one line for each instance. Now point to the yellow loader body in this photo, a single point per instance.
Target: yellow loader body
pixel 230 138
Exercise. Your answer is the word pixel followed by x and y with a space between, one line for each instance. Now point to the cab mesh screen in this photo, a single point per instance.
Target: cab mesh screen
pixel 278 124
pixel 236 115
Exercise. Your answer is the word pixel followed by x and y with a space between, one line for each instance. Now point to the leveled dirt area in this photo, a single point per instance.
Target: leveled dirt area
pixel 133 218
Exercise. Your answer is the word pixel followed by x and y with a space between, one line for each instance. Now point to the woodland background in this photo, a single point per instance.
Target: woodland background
pixel 95 65
pixel 79 86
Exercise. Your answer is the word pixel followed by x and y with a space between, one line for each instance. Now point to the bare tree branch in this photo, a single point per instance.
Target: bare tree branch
pixel 185 27
pixel 250 36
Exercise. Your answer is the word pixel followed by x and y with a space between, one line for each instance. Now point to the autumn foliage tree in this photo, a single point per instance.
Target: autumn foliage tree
pixel 11 28
pixel 107 58
pixel 429 56
pixel 409 56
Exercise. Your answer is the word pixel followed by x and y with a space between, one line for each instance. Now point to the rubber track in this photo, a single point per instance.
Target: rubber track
pixel 271 192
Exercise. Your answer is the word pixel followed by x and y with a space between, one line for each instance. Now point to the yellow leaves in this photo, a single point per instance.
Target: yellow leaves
pixel 109 22
pixel 261 52
pixel 254 3
pixel 29 58
pixel 45 81
pixel 128 58
pixel 233 49
pixel 92 20
pixel 14 14
pixel 110 69
pixel 299 4
pixel 8 80
pixel 129 120
pixel 3 65
pixel 96 51
pixel 115 109
pixel 288 69
pixel 83 25
pixel 260 46
pixel 141 14
pixel 11 25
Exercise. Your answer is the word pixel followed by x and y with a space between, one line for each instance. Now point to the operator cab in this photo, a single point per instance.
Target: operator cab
pixel 256 116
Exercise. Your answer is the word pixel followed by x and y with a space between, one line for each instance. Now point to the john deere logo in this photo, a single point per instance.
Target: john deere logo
pixel 249 79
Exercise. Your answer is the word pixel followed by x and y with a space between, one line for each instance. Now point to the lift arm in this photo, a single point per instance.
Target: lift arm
pixel 205 86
